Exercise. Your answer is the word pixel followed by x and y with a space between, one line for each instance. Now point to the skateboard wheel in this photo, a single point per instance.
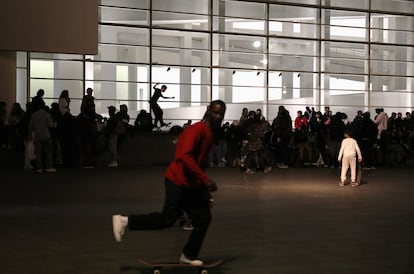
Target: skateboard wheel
pixel 204 271
pixel 157 271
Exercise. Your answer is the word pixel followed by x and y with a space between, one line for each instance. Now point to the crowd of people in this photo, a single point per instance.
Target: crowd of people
pixel 53 137
pixel 312 138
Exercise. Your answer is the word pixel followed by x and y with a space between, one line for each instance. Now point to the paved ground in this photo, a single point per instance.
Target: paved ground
pixel 288 221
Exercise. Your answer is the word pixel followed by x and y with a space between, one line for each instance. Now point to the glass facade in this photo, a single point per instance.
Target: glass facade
pixel 350 55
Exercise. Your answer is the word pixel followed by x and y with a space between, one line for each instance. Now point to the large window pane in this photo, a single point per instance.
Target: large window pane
pixel 293 29
pixel 402 53
pixel 292 62
pixel 180 39
pixel 180 21
pixel 239 60
pixel 292 54
pixel 392 67
pixel 391 22
pixel 120 53
pixel 56 56
pixel 185 6
pixel 184 57
pixel 391 83
pixel 56 69
pixel 238 86
pixel 53 88
pixel 247 26
pixel 123 35
pixel 341 65
pixel 141 4
pixel 392 53
pixel 390 6
pixel 239 9
pixel 344 57
pixel 253 44
pixel 292 46
pixel 397 101
pixel 392 29
pixel 308 2
pixel 124 16
pixel 292 21
pixel 392 36
pixel 344 25
pixel 108 72
pixel 345 50
pixel 356 4
pixel 343 93
pixel 292 85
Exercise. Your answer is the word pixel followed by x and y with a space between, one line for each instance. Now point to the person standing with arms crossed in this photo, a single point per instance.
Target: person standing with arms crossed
pixel 158 113
pixel 187 187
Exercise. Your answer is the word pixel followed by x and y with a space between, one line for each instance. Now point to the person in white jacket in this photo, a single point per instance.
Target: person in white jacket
pixel 348 154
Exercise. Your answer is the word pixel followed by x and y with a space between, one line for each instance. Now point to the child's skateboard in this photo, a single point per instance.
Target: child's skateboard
pixel 202 269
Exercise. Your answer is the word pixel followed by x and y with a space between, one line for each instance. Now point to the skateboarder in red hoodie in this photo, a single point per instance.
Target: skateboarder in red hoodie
pixel 187 187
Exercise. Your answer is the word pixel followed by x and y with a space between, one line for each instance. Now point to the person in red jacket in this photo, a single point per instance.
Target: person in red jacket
pixel 187 187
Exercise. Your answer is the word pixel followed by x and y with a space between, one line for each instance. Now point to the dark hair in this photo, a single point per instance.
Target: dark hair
pixel 219 102
pixel 348 132
pixel 40 92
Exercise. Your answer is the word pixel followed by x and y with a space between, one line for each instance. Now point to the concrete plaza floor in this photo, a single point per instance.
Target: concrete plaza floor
pixel 294 220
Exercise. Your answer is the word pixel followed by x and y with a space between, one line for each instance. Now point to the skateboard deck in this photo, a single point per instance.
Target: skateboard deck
pixel 167 125
pixel 157 266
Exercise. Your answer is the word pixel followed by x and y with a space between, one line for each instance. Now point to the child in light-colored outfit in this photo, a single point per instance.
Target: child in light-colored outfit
pixel 348 154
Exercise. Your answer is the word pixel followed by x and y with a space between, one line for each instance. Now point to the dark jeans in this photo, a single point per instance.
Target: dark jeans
pixel 194 202
pixel 158 113
pixel 284 148
pixel 367 151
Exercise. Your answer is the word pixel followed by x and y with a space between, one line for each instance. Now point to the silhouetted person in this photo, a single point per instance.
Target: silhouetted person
pixel 143 121
pixel 158 113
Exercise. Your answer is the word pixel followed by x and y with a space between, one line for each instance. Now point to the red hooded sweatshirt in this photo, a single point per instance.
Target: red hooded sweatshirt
pixel 192 149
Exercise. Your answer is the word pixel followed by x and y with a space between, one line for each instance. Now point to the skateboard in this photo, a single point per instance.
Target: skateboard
pixel 202 269
pixel 167 125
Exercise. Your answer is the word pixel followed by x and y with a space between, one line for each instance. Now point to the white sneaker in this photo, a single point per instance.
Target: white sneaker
pixel 185 260
pixel 118 227
pixel 281 165
pixel 187 227
pixel 113 164
pixel 250 171
pixel 267 169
